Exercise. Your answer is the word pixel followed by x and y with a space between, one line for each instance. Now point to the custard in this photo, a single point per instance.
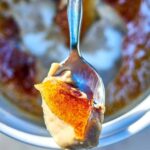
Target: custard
pixel 69 115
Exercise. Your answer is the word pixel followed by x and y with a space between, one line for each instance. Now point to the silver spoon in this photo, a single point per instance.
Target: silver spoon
pixel 83 74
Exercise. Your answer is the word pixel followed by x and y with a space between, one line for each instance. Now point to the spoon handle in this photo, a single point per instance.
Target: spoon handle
pixel 74 20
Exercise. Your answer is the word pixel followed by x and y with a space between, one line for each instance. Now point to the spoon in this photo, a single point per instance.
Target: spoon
pixel 83 74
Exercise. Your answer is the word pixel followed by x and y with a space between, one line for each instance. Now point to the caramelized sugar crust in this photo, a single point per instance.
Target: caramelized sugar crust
pixel 128 9
pixel 18 68
pixel 65 102
pixel 133 78
pixel 15 65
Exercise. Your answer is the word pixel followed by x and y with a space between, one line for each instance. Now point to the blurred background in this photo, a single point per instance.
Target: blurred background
pixel 115 39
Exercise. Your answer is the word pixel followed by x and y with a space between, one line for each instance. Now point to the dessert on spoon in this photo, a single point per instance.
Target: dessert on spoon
pixel 73 96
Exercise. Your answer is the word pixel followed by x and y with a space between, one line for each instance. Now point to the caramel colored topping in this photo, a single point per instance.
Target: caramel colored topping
pixel 15 64
pixel 8 28
pixel 65 103
pixel 133 78
pixel 128 9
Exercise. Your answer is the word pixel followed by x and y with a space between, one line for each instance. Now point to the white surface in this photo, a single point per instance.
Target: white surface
pixel 137 142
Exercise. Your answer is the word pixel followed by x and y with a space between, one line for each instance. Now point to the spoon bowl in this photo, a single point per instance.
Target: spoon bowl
pixel 84 75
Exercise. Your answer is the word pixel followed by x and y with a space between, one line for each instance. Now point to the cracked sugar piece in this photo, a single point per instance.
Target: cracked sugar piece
pixel 69 115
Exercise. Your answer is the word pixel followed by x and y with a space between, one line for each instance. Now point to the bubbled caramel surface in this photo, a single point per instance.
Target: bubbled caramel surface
pixel 15 64
pixel 133 78
pixel 128 9
pixel 18 68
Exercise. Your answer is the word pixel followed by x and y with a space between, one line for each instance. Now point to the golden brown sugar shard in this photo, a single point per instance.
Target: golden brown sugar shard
pixel 69 115
pixel 89 16
pixel 65 102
